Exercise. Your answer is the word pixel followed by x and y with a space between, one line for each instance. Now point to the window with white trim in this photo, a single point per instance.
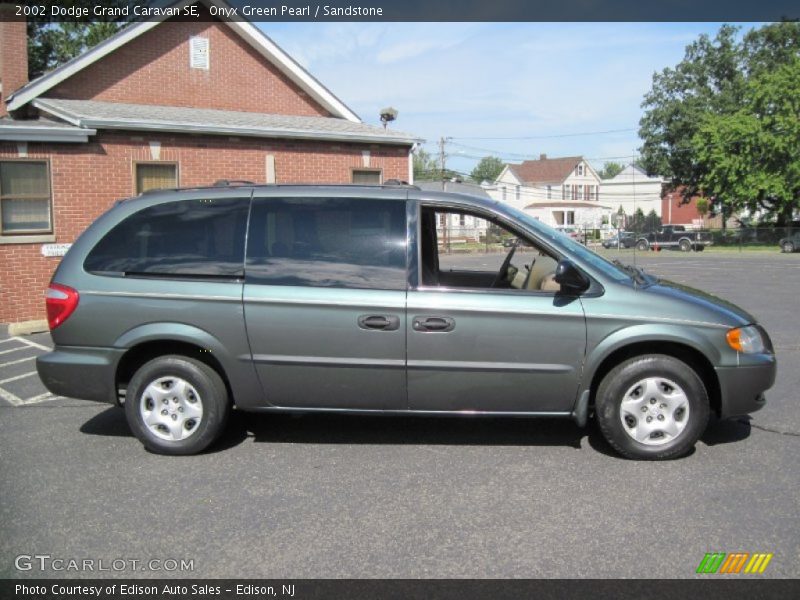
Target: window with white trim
pixel 25 198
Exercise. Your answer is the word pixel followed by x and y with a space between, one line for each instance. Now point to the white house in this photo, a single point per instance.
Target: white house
pixel 458 227
pixel 632 189
pixel 557 191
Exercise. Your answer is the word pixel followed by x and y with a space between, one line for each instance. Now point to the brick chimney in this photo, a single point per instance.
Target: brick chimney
pixel 543 157
pixel 13 53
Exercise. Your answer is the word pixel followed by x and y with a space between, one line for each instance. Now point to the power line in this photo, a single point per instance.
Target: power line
pixel 548 137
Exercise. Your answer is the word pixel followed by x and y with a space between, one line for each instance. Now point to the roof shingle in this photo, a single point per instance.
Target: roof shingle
pixel 545 170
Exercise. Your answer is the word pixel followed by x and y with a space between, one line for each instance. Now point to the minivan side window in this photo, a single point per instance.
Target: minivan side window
pixel 330 242
pixel 201 238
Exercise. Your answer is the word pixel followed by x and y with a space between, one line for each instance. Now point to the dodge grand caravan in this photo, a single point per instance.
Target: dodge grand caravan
pixel 182 305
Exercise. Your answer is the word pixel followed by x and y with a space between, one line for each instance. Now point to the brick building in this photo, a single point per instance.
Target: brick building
pixel 161 104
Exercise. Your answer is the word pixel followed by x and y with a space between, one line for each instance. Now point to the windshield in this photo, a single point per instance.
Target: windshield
pixel 606 267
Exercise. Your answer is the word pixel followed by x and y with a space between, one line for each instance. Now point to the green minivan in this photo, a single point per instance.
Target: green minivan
pixel 181 305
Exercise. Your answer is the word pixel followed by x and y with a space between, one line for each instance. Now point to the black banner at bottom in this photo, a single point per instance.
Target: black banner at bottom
pixel 389 589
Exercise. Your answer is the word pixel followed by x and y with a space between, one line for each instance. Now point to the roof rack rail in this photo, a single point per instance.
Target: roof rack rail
pixel 231 182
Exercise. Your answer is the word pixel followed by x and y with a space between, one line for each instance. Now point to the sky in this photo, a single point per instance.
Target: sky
pixel 477 83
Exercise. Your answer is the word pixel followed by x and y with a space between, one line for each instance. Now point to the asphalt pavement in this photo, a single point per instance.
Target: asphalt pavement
pixel 333 496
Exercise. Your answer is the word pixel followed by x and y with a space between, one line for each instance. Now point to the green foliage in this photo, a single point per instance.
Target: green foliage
pixel 652 221
pixel 52 44
pixel 702 207
pixel 488 169
pixel 703 101
pixel 750 158
pixel 611 169
pixel 425 166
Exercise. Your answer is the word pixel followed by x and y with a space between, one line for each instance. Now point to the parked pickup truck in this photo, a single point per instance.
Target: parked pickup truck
pixel 674 236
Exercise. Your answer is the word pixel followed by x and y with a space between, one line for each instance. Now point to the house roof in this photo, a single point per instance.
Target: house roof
pixel 42 130
pixel 546 170
pixel 566 204
pixel 113 115
pixel 249 32
pixel 632 173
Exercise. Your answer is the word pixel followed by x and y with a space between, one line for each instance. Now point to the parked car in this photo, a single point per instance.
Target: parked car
pixel 790 243
pixel 676 237
pixel 181 305
pixel 573 232
pixel 623 238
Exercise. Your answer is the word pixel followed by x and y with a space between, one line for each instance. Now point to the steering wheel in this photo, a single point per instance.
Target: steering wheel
pixel 503 272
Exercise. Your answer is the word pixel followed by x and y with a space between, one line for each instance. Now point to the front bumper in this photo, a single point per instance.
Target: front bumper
pixel 80 372
pixel 742 388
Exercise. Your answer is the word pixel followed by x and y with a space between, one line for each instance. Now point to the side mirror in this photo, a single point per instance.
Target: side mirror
pixel 570 278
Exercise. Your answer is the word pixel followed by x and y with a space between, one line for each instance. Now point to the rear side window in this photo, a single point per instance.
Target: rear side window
pixel 189 238
pixel 336 242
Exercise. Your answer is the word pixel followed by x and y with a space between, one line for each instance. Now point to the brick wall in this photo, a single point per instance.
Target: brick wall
pixel 675 211
pixel 13 54
pixel 154 69
pixel 88 178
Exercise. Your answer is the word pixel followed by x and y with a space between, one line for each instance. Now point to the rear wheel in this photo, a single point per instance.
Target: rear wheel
pixel 642 245
pixel 685 245
pixel 652 407
pixel 176 405
pixel 787 247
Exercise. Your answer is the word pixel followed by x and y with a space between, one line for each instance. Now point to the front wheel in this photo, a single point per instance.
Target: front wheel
pixel 176 405
pixel 787 247
pixel 642 245
pixel 652 407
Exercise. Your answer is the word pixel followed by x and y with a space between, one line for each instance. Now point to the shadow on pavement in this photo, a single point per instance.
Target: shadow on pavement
pixel 457 431
pixel 726 431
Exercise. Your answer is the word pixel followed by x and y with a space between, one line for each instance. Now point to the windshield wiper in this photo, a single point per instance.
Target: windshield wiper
pixel 637 273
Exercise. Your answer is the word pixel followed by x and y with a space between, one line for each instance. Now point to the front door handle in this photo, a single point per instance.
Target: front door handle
pixel 434 324
pixel 379 322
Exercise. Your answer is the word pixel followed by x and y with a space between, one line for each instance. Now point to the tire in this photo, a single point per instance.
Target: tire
pixel 624 402
pixel 685 245
pixel 699 248
pixel 184 423
pixel 642 245
pixel 787 247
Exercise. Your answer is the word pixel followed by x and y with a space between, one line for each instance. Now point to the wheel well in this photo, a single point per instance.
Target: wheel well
pixel 694 358
pixel 146 351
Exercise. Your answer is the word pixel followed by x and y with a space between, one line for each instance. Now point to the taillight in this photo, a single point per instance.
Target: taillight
pixel 61 303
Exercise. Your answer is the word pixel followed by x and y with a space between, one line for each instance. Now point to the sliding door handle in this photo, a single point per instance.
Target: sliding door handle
pixel 379 322
pixel 434 324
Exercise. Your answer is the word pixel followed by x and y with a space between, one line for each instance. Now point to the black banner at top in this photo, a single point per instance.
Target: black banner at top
pixel 403 10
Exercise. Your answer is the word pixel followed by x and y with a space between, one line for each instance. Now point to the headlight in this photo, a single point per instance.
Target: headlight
pixel 746 339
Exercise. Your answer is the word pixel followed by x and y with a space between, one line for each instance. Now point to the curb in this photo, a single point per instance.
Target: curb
pixel 27 327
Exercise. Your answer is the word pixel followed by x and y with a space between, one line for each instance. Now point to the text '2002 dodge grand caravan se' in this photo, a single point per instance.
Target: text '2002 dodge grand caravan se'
pixel 183 304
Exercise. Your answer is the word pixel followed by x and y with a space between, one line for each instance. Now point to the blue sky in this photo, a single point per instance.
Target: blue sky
pixel 496 80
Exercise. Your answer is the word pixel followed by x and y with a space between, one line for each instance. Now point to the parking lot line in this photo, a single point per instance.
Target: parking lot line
pixel 46 397
pixel 9 397
pixel 6 340
pixel 14 349
pixel 33 344
pixel 10 379
pixel 16 362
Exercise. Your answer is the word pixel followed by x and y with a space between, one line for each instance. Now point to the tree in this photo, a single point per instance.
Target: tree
pixel 702 207
pixel 638 219
pixel 750 158
pixel 652 221
pixel 611 169
pixel 711 81
pixel 488 169
pixel 52 44
pixel 425 166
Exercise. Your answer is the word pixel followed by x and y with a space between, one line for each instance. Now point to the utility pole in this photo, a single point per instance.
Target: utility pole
pixel 446 224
